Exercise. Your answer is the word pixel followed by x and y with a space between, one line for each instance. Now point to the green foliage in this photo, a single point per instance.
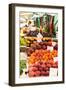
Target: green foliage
pixel 22 66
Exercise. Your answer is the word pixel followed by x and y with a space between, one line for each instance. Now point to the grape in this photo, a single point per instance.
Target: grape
pixel 32 33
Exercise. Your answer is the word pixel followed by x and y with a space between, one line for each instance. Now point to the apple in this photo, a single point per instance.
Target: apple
pixel 37 73
pixel 48 65
pixel 31 73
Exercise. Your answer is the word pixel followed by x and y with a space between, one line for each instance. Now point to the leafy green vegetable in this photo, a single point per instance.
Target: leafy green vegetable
pixel 22 66
pixel 21 71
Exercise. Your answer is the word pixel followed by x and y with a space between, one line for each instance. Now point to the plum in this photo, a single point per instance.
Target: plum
pixel 30 51
pixel 44 47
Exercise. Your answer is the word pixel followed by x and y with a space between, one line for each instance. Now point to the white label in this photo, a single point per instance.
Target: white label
pixel 53 72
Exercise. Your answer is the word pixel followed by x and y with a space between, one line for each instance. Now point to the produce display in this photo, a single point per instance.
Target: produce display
pixel 40 62
pixel 42 55
pixel 38 44
pixel 46 24
pixel 41 68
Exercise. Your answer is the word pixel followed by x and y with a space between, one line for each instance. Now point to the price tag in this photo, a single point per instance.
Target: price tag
pixel 53 71
pixel 50 48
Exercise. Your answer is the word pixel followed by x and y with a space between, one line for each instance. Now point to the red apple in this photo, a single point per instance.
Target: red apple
pixel 31 73
pixel 37 73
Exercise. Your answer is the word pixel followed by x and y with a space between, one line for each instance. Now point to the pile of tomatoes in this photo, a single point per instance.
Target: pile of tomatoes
pixel 42 55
